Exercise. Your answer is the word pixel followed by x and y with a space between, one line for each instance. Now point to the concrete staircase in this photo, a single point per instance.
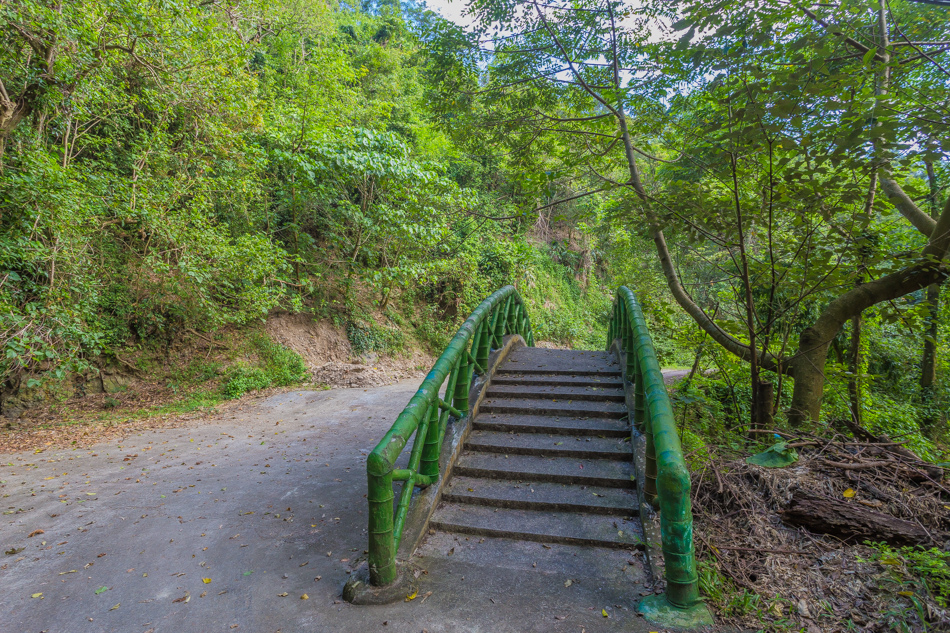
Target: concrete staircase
pixel 549 456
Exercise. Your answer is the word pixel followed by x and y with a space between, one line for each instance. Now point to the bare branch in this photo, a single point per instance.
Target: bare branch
pixel 902 202
pixel 836 31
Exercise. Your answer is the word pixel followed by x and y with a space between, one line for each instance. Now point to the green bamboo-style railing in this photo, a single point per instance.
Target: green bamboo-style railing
pixel 426 417
pixel 667 478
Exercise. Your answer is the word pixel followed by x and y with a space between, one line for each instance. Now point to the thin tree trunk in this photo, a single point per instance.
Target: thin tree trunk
pixel 928 361
pixel 854 368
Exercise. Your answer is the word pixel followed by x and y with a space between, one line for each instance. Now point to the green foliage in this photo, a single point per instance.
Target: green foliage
pixel 366 337
pixel 724 595
pixel 914 571
pixel 278 366
pixel 562 311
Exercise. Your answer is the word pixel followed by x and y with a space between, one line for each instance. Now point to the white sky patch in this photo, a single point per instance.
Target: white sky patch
pixel 453 10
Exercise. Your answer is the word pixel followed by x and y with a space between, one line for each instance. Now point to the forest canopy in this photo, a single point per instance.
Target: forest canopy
pixel 771 179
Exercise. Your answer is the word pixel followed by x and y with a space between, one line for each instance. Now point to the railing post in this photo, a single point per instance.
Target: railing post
pixel 484 344
pixel 462 384
pixel 500 321
pixel 382 549
pixel 676 527
pixel 631 349
pixel 429 464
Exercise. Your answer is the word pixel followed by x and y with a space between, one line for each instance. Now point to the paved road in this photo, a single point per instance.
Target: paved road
pixel 226 524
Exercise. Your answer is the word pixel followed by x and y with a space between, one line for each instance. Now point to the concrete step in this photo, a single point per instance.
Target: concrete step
pixel 557 393
pixel 557 361
pixel 557 407
pixel 570 528
pixel 609 473
pixel 503 377
pixel 541 495
pixel 549 445
pixel 565 425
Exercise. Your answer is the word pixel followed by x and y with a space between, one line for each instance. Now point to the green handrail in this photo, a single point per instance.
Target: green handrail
pixel 667 478
pixel 426 416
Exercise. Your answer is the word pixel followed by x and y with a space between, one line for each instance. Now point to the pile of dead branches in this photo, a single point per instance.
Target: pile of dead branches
pixel 795 536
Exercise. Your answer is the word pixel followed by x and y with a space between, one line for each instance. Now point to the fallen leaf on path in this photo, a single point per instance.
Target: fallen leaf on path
pixel 35 533
pixel 283 595
pixel 206 581
pixel 304 597
pixel 37 595
pixel 568 582
pixel 425 596
pixel 412 596
pixel 71 571
pixel 115 607
pixel 101 590
pixel 847 494
pixel 604 613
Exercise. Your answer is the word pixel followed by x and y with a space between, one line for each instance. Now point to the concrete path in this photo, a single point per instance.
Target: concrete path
pixel 227 524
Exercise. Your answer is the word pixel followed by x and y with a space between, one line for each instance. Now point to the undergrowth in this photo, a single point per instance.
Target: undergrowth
pixel 278 366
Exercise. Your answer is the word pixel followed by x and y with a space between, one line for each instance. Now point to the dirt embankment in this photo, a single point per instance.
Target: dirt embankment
pixel 165 387
pixel 330 359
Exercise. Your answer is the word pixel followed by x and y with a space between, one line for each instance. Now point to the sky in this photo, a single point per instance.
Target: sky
pixel 450 10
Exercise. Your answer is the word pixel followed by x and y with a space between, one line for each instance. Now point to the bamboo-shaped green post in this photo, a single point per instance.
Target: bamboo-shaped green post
pixel 512 325
pixel 382 550
pixel 463 383
pixel 484 344
pixel 429 464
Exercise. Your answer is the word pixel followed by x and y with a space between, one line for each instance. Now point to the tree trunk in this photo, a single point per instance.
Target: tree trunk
pixel 850 520
pixel 808 365
pixel 928 364
pixel 808 371
pixel 764 404
pixel 854 367
pixel 928 361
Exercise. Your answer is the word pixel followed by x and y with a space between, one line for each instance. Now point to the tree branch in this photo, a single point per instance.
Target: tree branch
pixel 921 221
pixel 853 42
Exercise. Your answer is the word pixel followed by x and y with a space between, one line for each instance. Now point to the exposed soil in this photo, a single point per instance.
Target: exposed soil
pixel 317 342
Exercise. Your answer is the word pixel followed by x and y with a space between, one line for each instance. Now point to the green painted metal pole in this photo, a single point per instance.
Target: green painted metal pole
pixel 631 354
pixel 639 407
pixel 484 345
pixel 500 320
pixel 415 456
pixel 462 384
pixel 493 329
pixel 429 464
pixel 382 548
